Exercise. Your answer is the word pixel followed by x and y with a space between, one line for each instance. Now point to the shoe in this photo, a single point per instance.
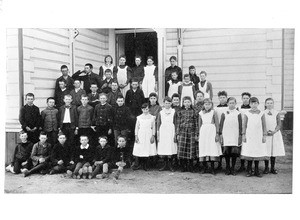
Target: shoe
pixel 26 173
pixel 213 172
pixel 9 168
pixel 266 171
pixel 104 175
pixel 249 173
pixel 99 176
pixel 274 171
pixel 116 174
pixel 79 173
pixel 90 176
pixel 258 174
pixel 69 173
pixel 227 172
pixel 164 167
pixel 51 172
pixel 43 172
pixel 241 169
pixel 233 172
pixel 136 167
pixel 78 177
pixel 171 167
pixel 23 170
pixel 84 172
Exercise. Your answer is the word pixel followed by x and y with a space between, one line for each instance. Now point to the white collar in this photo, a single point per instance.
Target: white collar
pixel 63 89
pixel 86 147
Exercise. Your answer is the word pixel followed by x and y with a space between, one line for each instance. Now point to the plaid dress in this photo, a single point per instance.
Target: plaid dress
pixel 187 129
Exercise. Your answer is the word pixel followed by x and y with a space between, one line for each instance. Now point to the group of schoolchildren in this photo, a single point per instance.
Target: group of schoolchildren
pixel 96 122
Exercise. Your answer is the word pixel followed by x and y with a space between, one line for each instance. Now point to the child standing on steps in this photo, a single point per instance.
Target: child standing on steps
pixel 173 84
pixel 187 88
pixel 254 137
pixel 149 84
pixel 209 149
pixel 275 146
pixel 186 134
pixel 231 135
pixel 166 134
pixel 144 145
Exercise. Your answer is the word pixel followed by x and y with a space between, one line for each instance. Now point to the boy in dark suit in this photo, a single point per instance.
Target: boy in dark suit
pixel 94 98
pixel 135 98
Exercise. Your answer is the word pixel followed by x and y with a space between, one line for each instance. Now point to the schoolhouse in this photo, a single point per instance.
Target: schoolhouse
pixel 259 61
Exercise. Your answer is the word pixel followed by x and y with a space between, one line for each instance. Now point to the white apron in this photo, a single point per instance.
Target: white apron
pixel 275 146
pixel 166 145
pixel 203 89
pixel 173 88
pixel 187 90
pixel 122 79
pixel 148 84
pixel 231 128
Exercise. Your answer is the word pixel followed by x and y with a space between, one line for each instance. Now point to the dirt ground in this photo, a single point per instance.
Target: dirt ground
pixel 162 182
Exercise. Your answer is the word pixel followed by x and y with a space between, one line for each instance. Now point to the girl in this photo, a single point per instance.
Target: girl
pixel 254 137
pixel 123 74
pixel 199 101
pixel 186 133
pixel 187 88
pixel 144 145
pixel 209 150
pixel 173 84
pixel 231 135
pixel 149 83
pixel 274 142
pixel 108 64
pixel 205 86
pixel 154 107
pixel 166 134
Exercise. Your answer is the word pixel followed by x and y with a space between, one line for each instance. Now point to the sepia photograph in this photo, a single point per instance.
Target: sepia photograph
pixel 149 110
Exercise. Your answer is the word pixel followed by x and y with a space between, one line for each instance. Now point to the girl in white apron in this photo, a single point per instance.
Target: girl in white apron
pixel 204 88
pixel 187 88
pixel 149 83
pixel 275 146
pixel 108 64
pixel 173 84
pixel 123 74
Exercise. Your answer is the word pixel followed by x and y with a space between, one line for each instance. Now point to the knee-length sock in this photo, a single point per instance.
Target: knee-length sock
pixel 249 167
pixel 273 163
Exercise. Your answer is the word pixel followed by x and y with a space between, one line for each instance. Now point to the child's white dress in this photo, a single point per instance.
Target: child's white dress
pixel 122 79
pixel 187 90
pixel 203 89
pixel 275 146
pixel 148 84
pixel 166 145
pixel 231 128
pixel 254 148
pixel 173 88
pixel 144 148
pixel 208 147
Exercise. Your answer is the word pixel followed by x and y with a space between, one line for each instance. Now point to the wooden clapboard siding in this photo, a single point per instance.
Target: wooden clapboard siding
pixel 289 68
pixel 11 142
pixel 91 46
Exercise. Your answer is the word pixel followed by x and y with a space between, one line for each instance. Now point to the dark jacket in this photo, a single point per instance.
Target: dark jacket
pixel 40 151
pixel 105 86
pixel 103 115
pixel 59 97
pixel 73 116
pixel 92 99
pixel 122 154
pixel 138 72
pixel 104 154
pixel 85 116
pixel 76 96
pixel 60 152
pixel 92 78
pixel 121 116
pixel 22 152
pixel 134 101
pixel 30 116
pixel 69 83
pixel 49 119
pixel 112 97
pixel 88 154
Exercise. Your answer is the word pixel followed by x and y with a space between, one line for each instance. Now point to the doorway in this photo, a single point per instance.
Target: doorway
pixel 143 44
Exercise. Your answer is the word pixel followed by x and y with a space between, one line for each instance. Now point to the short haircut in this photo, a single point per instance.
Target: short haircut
pixel 49 98
pixel 150 57
pixel 22 132
pixel 110 58
pixel 84 135
pixel 192 67
pixel 76 80
pixel 108 71
pixel 103 137
pixel 254 99
pixel 120 97
pixel 68 96
pixel 29 95
pixel 43 133
pixel 61 134
pixel 134 80
pixel 95 84
pixel 186 98
pixel 231 98
pixel 197 92
pixel 103 94
pixel 269 99
pixel 175 95
pixel 84 96
pixel 138 57
pixel 63 67
pixel 173 58
pixel 114 81
pixel 122 136
pixel 207 100
pixel 175 73
pixel 222 93
pixel 167 99
pixel 153 94
pixel 145 105
pixel 62 80
pixel 247 94
pixel 203 72
pixel 186 75
pixel 122 56
pixel 89 65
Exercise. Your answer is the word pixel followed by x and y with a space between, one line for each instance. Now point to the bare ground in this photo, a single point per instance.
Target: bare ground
pixel 162 182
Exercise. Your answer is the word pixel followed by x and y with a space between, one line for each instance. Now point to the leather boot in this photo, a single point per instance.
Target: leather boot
pixel 164 167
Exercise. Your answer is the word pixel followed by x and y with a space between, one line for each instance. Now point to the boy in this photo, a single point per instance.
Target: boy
pixel 106 83
pixel 60 93
pixel 220 109
pixel 76 93
pixel 102 159
pixel 61 156
pixel 49 120
pixel 83 158
pixel 194 78
pixel 94 96
pixel 205 86
pixel 68 119
pixel 121 117
pixel 85 117
pixel 187 88
pixel 65 77
pixel 122 155
pixel 135 98
pixel 21 158
pixel 30 118
pixel 113 94
pixel 102 117
pixel 40 156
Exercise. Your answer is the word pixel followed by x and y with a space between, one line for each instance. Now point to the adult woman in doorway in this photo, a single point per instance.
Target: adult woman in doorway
pixel 123 74
pixel 108 64
pixel 170 70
